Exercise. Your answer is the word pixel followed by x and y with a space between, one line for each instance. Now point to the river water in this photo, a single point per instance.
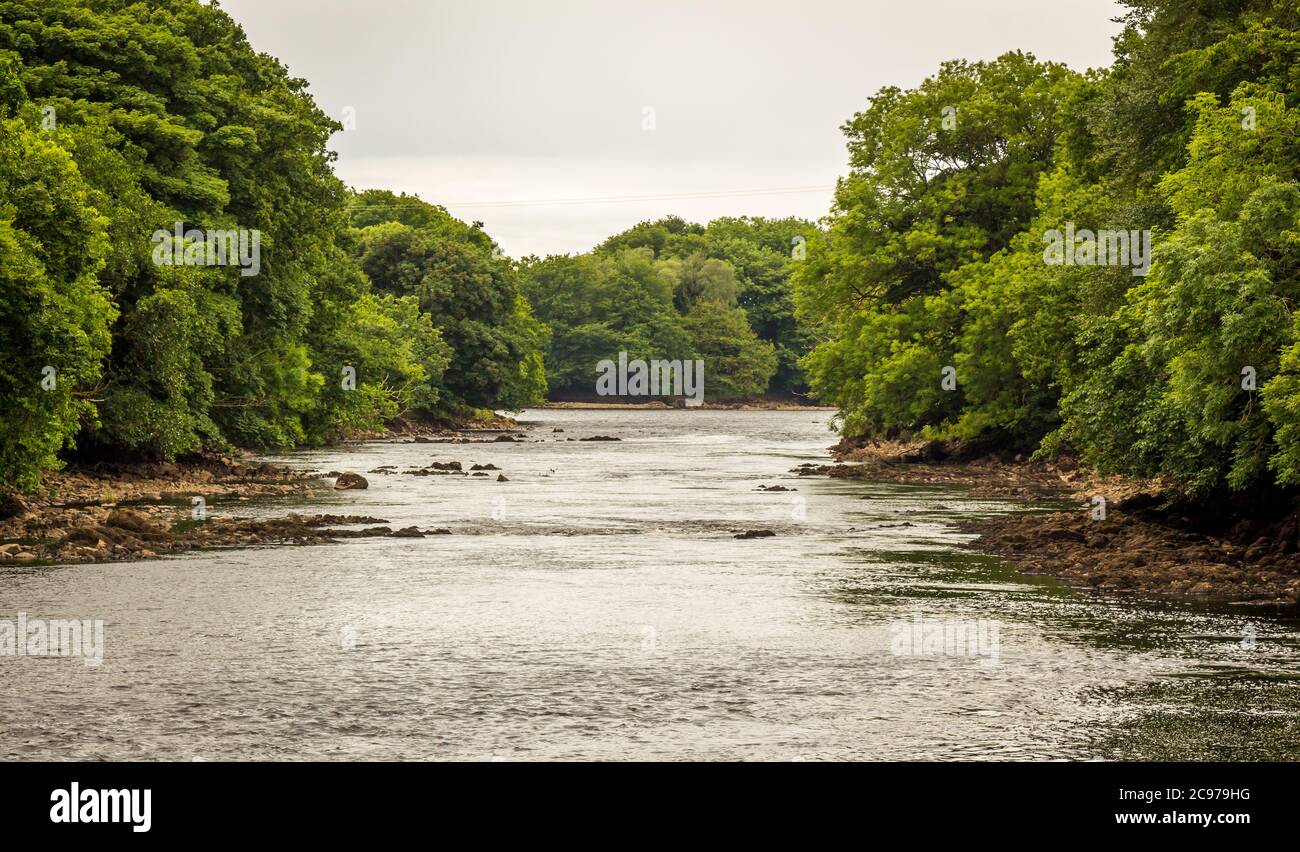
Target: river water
pixel 597 606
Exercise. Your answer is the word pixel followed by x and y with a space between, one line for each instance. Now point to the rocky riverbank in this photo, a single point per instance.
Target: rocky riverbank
pixel 1126 536
pixel 107 511
pixel 755 404
pixel 1151 551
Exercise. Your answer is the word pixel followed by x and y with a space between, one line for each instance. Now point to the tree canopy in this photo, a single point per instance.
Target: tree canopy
pixel 939 298
pixel 935 263
pixel 122 120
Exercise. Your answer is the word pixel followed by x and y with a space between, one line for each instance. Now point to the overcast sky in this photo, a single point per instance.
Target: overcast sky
pixel 479 102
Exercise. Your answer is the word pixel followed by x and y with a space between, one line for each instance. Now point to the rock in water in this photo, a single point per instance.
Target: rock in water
pixel 351 480
pixel 408 532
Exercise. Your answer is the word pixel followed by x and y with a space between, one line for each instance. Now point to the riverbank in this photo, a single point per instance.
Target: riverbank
pixel 115 511
pixel 612 569
pixel 759 404
pixel 1141 539
pixel 1142 543
pixel 109 511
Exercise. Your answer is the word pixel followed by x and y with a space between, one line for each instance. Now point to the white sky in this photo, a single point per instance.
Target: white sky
pixel 481 101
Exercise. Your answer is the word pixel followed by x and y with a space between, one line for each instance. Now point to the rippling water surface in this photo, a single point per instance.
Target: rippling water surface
pixel 597 606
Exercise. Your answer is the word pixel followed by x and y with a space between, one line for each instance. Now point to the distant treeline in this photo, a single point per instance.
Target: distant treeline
pixel 677 290
pixel 982 279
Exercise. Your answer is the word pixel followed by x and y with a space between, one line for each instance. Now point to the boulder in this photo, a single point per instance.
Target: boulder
pixel 350 480
pixel 133 521
pixel 408 532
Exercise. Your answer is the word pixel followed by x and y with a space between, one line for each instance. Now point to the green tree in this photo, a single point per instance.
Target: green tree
pixel 597 305
pixel 54 316
pixel 699 278
pixel 943 177
pixel 736 363
pixel 744 260
pixel 473 297
pixel 173 117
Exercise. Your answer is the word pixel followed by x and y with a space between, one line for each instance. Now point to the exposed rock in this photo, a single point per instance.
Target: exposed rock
pixel 1153 551
pixel 323 520
pixel 12 504
pixel 351 481
pixel 132 520
pixel 408 532
pixel 754 534
pixel 502 478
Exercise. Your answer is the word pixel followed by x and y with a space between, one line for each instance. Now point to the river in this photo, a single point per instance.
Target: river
pixel 597 606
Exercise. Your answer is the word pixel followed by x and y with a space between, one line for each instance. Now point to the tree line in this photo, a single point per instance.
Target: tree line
pixel 123 122
pixel 947 304
pixel 1021 255
pixel 721 293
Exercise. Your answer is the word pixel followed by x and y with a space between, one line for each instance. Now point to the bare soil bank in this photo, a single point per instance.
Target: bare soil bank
pixel 1149 541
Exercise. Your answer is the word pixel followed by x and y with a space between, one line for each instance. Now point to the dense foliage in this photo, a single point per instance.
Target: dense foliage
pixel 674 289
pixel 120 120
pixel 938 299
pixel 942 310
pixel 410 249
